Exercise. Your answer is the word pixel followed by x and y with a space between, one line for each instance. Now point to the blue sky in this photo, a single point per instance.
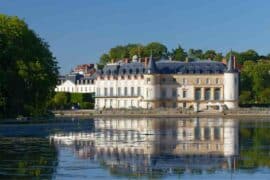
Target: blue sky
pixel 79 31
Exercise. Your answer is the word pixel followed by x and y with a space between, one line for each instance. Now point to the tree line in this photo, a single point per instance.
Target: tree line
pixel 159 50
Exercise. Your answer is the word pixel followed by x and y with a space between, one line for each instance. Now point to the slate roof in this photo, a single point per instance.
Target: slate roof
pixel 75 77
pixel 165 67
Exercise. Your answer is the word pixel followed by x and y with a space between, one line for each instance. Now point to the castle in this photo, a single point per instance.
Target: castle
pixel 197 84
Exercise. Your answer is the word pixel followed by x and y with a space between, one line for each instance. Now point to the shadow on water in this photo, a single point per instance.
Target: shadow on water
pixel 144 147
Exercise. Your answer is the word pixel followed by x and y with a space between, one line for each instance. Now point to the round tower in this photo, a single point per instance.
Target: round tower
pixel 231 85
pixel 152 88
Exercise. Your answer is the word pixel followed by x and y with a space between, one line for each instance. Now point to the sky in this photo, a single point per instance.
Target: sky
pixel 79 31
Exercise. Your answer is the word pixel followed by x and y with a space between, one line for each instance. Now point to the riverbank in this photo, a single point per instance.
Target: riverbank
pixel 168 113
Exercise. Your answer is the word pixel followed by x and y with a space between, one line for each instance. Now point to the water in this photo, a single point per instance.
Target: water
pixel 144 148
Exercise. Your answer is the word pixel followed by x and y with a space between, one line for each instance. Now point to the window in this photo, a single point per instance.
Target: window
pixel 174 93
pixel 98 91
pixel 111 102
pixel 119 91
pixel 197 93
pixel 217 133
pixel 139 91
pixel 197 132
pixel 126 93
pixel 207 133
pixel 207 81
pixel 132 91
pixel 163 93
pixel 111 91
pixel 184 93
pixel 105 92
pixel 207 94
pixel 217 94
pixel 217 81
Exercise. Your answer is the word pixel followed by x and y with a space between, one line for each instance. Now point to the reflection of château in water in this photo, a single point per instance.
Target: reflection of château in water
pixel 145 145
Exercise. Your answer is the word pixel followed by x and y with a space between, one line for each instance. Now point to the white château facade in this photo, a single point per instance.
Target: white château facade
pixel 199 84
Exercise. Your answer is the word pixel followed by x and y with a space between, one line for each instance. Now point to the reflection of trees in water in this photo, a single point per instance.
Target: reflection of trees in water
pixel 27 158
pixel 255 144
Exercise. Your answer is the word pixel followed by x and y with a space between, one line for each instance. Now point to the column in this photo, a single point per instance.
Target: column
pixel 202 93
pixel 212 93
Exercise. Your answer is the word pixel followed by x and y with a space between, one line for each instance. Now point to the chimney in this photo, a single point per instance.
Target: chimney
pixel 234 62
pixel 145 62
pixel 126 60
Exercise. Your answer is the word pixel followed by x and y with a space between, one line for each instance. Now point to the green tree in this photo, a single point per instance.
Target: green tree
pixel 218 57
pixel 250 55
pixel 158 50
pixel 118 52
pixel 245 97
pixel 265 96
pixel 195 53
pixel 179 54
pixel 135 49
pixel 27 67
pixel 60 100
pixel 104 59
pixel 255 77
pixel 210 54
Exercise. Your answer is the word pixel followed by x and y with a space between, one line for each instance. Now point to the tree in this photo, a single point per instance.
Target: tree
pixel 104 59
pixel 250 55
pixel 245 97
pixel 210 54
pixel 265 96
pixel 135 49
pixel 28 70
pixel 178 54
pixel 195 53
pixel 255 77
pixel 158 50
pixel 118 52
pixel 60 100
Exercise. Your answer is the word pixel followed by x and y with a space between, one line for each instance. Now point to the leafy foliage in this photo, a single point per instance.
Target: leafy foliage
pixel 255 82
pixel 28 70
pixel 65 100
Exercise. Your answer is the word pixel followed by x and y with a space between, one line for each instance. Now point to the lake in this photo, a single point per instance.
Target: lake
pixel 145 148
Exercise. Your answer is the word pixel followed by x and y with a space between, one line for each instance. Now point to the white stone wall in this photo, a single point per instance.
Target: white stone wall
pixel 69 86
